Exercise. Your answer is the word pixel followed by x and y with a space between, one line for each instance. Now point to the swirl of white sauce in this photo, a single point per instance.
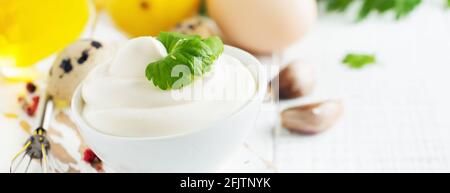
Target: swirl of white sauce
pixel 120 101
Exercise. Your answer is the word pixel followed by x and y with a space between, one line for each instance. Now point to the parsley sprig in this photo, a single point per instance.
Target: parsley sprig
pixel 401 8
pixel 358 61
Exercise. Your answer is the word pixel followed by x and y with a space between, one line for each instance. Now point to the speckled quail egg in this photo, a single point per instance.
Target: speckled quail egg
pixel 73 64
pixel 198 25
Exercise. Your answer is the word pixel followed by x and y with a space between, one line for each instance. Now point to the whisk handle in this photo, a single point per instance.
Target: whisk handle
pixel 45 109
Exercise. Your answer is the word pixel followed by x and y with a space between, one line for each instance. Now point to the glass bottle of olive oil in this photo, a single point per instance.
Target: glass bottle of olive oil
pixel 31 30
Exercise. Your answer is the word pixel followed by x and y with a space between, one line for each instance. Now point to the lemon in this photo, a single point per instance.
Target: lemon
pixel 31 30
pixel 149 17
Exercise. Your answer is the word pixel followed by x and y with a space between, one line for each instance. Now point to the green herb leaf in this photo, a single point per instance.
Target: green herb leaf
pixel 338 5
pixel 188 57
pixel 401 8
pixel 203 8
pixel 358 61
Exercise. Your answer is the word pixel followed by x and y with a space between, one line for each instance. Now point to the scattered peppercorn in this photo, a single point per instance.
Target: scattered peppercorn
pixel 29 106
pixel 88 155
pixel 92 159
pixel 21 99
pixel 31 88
pixel 32 108
pixel 35 99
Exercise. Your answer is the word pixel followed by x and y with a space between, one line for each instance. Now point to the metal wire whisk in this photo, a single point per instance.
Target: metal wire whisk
pixel 37 147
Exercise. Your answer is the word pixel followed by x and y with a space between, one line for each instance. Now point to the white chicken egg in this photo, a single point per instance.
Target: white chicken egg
pixel 263 26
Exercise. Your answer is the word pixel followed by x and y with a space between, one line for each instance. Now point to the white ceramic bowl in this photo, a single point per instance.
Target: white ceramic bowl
pixel 204 150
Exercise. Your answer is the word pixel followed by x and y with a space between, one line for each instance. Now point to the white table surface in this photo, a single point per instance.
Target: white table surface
pixel 397 112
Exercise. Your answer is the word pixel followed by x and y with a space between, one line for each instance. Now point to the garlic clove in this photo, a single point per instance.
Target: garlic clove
pixel 296 80
pixel 312 118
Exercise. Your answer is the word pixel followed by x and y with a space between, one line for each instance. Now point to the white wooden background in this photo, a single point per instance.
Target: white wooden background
pixel 397 112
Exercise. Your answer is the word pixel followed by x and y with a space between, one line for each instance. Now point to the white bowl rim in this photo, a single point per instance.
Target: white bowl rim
pixel 260 79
